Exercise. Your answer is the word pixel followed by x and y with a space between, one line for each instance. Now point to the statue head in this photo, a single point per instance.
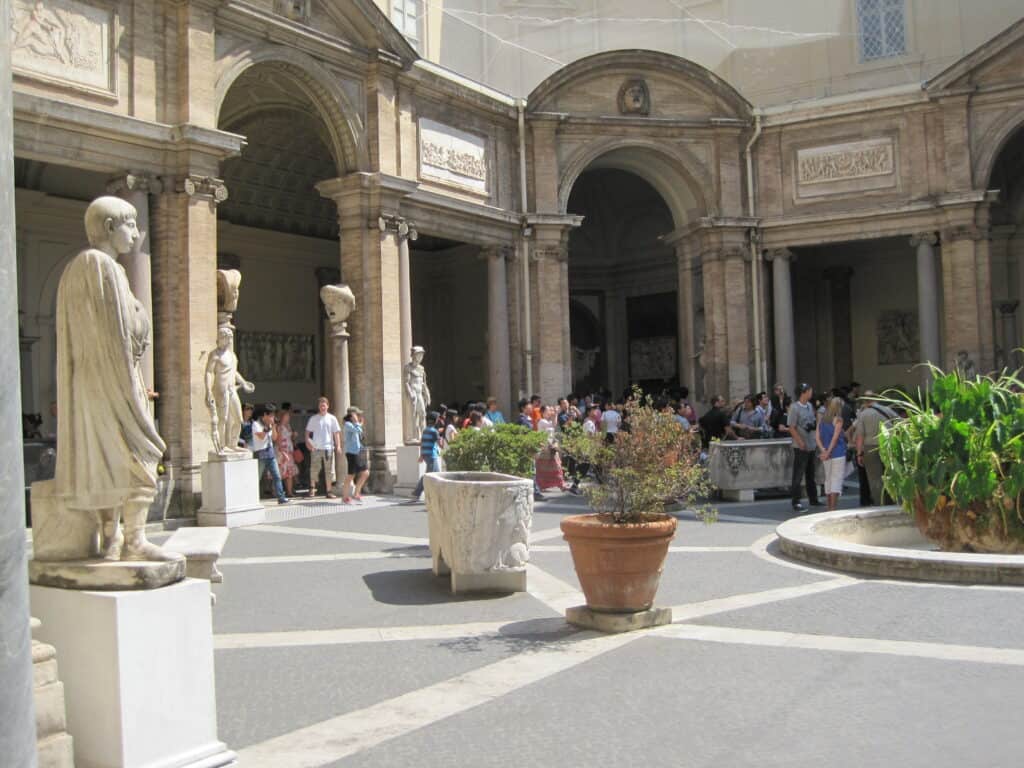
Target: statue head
pixel 416 353
pixel 339 301
pixel 228 281
pixel 224 337
pixel 110 225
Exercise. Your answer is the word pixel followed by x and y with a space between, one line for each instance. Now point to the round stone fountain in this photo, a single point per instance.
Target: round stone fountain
pixel 884 542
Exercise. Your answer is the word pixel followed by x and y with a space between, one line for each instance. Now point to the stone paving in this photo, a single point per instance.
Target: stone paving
pixel 336 646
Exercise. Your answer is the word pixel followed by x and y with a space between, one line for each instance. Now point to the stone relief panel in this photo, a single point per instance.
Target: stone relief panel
pixel 898 339
pixel 854 166
pixel 65 41
pixel 652 358
pixel 452 156
pixel 268 356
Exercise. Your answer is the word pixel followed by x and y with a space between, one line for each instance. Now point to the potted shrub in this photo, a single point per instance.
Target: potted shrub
pixel 956 463
pixel 619 549
pixel 480 509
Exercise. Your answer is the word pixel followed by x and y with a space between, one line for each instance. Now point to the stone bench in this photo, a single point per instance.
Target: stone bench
pixel 201 548
pixel 740 467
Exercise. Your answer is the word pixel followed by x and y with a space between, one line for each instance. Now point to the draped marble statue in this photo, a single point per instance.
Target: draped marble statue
pixel 108 448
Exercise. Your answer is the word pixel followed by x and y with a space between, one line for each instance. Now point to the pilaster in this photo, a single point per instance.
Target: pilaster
pixel 967 292
pixel 196 58
pixel 184 242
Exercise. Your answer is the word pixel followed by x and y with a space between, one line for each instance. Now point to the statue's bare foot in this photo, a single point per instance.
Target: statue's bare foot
pixel 137 547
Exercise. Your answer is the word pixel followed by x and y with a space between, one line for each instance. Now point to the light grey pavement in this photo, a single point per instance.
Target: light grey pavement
pixel 337 646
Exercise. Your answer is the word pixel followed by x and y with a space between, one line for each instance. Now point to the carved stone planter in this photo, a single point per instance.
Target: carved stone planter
pixel 479 526
pixel 967 530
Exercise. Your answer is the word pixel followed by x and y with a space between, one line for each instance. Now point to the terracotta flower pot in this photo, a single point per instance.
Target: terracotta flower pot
pixel 962 530
pixel 618 565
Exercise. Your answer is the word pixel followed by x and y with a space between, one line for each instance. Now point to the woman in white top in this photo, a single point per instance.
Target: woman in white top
pixel 546 423
pixel 610 421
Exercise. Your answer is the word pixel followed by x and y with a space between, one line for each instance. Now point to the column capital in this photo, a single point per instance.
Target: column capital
pixel 1008 307
pixel 779 254
pixel 500 253
pixel 134 181
pixel 924 238
pixel 194 185
pixel 396 225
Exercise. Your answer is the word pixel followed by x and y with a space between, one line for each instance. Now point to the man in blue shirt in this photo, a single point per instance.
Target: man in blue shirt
pixel 430 451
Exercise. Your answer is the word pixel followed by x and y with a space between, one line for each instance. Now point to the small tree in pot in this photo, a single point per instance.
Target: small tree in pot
pixel 956 463
pixel 619 550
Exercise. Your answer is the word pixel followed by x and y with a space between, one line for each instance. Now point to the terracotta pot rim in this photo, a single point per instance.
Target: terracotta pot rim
pixel 599 525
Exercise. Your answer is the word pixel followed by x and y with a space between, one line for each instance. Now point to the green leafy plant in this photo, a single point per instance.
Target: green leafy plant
pixel 507 448
pixel 655 463
pixel 957 461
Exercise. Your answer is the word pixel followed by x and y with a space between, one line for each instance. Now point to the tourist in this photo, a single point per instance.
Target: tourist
pixel 780 403
pixel 852 395
pixel 714 425
pixel 485 420
pixel 546 423
pixel 285 448
pixel 451 431
pixel 430 451
pixel 525 417
pixel 264 435
pixel 802 423
pixel 245 434
pixel 682 416
pixel 535 406
pixel 563 414
pixel 496 416
pixel 747 421
pixel 476 420
pixel 358 472
pixel 686 409
pixel 611 422
pixel 323 438
pixel 866 432
pixel 832 451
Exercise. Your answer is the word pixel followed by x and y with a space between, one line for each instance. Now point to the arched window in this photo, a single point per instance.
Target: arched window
pixel 883 28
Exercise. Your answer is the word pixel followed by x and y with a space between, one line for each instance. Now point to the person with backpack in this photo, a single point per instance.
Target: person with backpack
pixel 866 432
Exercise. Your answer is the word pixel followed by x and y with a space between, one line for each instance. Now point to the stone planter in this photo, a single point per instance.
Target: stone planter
pixel 479 526
pixel 967 530
pixel 619 565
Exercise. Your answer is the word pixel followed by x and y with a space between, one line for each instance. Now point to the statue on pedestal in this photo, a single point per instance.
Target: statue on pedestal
pixel 108 446
pixel 417 393
pixel 339 303
pixel 222 382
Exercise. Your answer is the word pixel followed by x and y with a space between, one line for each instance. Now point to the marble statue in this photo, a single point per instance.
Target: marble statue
pixel 339 302
pixel 108 446
pixel 417 393
pixel 222 383
pixel 965 365
pixel 228 283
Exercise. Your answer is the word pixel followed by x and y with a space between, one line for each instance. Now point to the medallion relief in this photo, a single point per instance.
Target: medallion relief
pixel 634 98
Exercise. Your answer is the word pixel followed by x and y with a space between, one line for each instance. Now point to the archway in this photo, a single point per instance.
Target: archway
pixel 1007 249
pixel 622 280
pixel 278 230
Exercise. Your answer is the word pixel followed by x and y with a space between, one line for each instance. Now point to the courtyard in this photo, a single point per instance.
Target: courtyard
pixel 336 646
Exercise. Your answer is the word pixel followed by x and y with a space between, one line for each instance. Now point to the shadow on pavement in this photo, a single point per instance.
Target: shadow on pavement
pixel 417 587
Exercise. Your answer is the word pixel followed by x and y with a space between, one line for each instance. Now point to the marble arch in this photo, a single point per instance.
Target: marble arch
pixel 343 122
pixel 994 142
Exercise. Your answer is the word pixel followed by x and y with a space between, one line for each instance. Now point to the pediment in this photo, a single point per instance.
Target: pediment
pixel 997 62
pixel 640 84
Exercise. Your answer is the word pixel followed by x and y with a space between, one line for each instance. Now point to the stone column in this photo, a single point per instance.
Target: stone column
pixel 1009 356
pixel 370 265
pixel 17 712
pixel 842 327
pixel 406 231
pixel 184 224
pixel 553 371
pixel 967 296
pixel 727 351
pixel 782 315
pixel 135 189
pixel 498 372
pixel 685 318
pixel 928 299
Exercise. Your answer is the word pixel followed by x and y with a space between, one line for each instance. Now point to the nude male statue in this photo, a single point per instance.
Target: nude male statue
pixel 222 383
pixel 417 392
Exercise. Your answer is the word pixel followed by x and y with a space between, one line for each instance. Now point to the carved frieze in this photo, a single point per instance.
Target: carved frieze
pixel 453 156
pixel 65 41
pixel 848 167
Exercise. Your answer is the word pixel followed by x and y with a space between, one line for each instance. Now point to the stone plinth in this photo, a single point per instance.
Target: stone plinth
pixel 53 743
pixel 582 616
pixel 739 467
pixel 231 491
pixel 479 526
pixel 410 468
pixel 138 674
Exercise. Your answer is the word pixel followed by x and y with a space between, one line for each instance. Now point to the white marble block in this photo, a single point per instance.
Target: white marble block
pixel 410 468
pixel 231 492
pixel 201 548
pixel 137 669
pixel 740 467
pixel 479 526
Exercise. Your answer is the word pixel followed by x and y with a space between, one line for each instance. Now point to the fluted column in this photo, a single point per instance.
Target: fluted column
pixel 17 713
pixel 928 298
pixel 135 189
pixel 782 314
pixel 498 373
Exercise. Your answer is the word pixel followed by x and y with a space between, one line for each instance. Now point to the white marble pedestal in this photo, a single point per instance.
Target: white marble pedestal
pixel 231 491
pixel 137 669
pixel 410 469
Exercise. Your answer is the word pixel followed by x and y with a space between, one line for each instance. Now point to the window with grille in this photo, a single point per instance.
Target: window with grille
pixel 883 28
pixel 407 16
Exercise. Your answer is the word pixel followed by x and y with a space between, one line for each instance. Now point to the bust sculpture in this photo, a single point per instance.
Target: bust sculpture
pixel 222 382
pixel 108 446
pixel 339 302
pixel 634 98
pixel 417 392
